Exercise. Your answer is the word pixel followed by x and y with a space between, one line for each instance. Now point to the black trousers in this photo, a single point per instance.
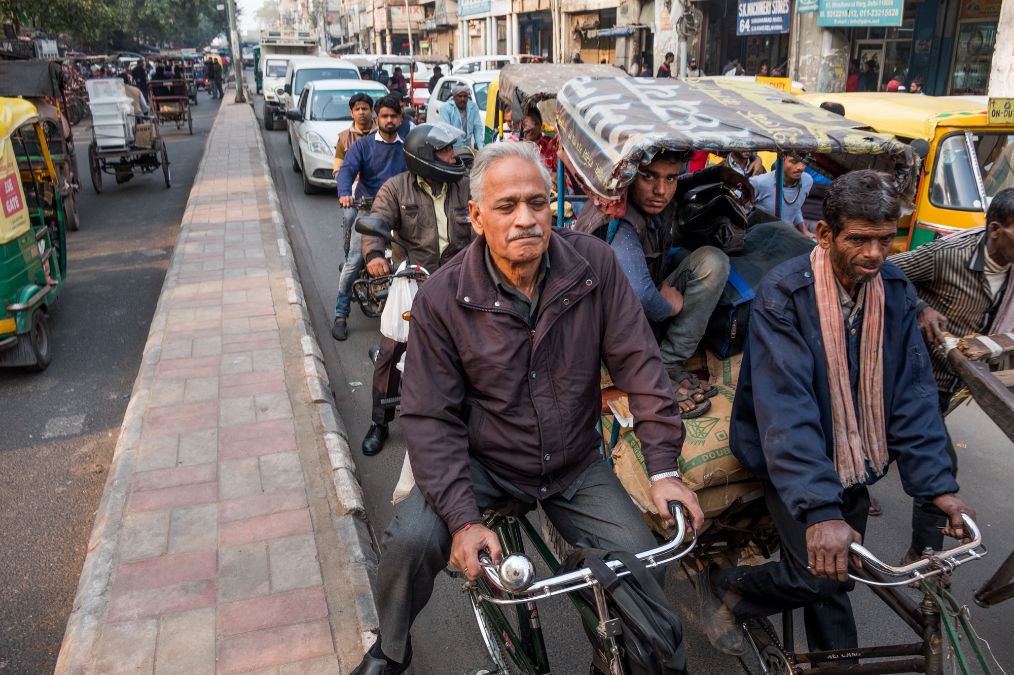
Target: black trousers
pixel 386 379
pixel 775 586
pixel 926 527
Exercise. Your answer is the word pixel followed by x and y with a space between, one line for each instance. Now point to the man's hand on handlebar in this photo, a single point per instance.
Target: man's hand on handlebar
pixel 933 325
pixel 953 507
pixel 346 201
pixel 465 547
pixel 827 549
pixel 378 267
pixel 674 490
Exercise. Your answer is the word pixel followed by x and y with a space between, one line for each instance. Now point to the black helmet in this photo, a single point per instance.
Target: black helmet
pixel 421 146
pixel 711 215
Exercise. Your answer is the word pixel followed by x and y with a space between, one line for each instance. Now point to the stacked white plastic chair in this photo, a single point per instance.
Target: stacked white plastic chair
pixel 112 113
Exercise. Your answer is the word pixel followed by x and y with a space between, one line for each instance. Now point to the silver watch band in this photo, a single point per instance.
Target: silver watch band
pixel 665 474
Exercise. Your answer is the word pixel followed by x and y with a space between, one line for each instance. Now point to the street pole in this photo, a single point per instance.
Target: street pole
pixel 237 56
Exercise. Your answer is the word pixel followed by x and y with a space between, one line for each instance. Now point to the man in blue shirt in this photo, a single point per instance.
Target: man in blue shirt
pixel 371 160
pixel 815 450
pixel 461 112
pixel 796 186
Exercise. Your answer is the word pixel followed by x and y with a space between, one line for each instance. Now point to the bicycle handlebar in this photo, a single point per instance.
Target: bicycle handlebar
pixel 515 574
pixel 944 561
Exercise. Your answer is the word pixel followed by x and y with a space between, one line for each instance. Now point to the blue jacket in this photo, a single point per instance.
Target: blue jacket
pixel 782 408
pixel 474 127
pixel 374 162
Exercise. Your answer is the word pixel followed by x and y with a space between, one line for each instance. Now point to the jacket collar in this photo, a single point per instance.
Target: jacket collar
pixel 977 263
pixel 477 290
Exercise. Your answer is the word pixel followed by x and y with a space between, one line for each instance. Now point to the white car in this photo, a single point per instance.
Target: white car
pixel 472 64
pixel 321 113
pixel 478 83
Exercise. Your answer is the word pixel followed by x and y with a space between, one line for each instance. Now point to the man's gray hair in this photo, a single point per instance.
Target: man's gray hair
pixel 494 152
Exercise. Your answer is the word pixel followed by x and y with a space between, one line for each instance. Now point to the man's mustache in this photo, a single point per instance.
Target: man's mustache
pixel 532 233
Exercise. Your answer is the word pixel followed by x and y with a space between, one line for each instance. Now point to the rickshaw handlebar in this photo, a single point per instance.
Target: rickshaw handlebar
pixel 515 574
pixel 927 566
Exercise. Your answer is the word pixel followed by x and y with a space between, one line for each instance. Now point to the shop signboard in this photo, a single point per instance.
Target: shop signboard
pixel 1001 111
pixel 979 9
pixel 762 17
pixel 471 7
pixel 783 83
pixel 806 6
pixel 846 13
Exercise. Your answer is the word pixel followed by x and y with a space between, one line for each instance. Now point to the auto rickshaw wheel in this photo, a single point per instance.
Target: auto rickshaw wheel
pixel 95 168
pixel 38 340
pixel 190 122
pixel 70 211
pixel 165 166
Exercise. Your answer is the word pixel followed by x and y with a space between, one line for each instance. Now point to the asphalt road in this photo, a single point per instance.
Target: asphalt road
pixel 60 426
pixel 446 640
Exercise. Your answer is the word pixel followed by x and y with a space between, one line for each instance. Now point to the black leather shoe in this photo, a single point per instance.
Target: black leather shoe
pixel 340 328
pixel 720 625
pixel 374 441
pixel 375 663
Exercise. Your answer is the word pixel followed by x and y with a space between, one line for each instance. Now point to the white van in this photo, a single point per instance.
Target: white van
pixel 303 69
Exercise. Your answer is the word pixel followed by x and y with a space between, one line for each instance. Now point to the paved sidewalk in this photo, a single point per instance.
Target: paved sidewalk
pixel 230 536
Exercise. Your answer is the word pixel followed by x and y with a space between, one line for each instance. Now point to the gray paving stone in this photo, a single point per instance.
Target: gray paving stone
pixel 293 563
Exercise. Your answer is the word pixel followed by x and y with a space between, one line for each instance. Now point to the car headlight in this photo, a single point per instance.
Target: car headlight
pixel 280 92
pixel 317 144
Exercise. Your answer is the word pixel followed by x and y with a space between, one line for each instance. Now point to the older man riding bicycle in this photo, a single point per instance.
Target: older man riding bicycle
pixel 501 396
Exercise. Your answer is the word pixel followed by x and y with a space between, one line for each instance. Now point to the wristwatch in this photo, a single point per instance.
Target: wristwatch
pixel 665 474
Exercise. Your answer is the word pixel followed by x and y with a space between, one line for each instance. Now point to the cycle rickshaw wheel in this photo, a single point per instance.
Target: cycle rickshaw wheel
pixel 190 122
pixel 94 168
pixel 166 173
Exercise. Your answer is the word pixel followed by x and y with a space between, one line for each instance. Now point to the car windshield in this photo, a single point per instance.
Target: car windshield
pixel 305 75
pixel 954 178
pixel 333 106
pixel 481 94
pixel 275 69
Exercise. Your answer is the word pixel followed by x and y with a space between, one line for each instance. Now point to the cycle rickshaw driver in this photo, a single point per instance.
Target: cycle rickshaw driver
pixel 835 383
pixel 500 396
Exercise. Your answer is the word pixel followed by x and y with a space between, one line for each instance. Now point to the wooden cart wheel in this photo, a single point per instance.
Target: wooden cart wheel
pixel 95 167
pixel 165 167
pixel 190 121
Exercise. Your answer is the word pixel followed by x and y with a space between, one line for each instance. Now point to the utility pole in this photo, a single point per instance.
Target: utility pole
pixel 1000 82
pixel 237 55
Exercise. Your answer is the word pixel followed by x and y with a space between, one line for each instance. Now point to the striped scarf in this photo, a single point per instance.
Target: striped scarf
pixel 856 441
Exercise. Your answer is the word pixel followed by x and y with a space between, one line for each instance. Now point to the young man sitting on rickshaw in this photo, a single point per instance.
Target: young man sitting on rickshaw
pixel 678 295
pixel 835 383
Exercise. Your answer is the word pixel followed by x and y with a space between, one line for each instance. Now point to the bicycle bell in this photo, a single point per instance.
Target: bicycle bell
pixel 516 572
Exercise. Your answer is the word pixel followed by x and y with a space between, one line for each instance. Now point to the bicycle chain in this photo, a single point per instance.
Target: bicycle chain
pixel 775 641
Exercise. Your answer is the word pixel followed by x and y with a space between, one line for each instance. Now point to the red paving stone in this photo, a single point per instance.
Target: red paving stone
pixel 165 570
pixel 189 368
pixel 247 309
pixel 183 475
pixel 168 498
pixel 305 604
pixel 251 384
pixel 261 505
pixel 246 342
pixel 274 646
pixel 252 440
pixel 140 604
pixel 178 419
pixel 262 528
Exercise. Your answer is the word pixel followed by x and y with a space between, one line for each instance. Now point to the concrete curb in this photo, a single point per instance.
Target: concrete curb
pixel 82 632
pixel 351 513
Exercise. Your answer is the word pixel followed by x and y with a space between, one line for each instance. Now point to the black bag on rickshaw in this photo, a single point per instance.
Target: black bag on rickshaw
pixel 652 633
pixel 710 215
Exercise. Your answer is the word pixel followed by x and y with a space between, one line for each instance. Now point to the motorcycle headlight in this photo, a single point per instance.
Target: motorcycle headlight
pixel 317 144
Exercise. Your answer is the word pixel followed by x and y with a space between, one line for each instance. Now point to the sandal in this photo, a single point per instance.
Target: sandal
pixel 700 407
pixel 682 378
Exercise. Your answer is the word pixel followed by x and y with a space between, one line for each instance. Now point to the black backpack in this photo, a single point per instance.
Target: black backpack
pixel 652 634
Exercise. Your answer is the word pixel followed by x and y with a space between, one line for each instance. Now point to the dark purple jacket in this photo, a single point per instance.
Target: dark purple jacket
pixel 525 403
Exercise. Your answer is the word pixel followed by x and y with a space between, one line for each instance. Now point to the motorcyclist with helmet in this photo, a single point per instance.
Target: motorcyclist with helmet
pixel 426 207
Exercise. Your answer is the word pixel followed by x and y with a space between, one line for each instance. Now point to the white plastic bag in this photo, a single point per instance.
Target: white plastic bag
pixel 406 481
pixel 399 301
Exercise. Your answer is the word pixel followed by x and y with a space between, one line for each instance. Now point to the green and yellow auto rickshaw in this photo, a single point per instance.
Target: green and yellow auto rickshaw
pixel 33 244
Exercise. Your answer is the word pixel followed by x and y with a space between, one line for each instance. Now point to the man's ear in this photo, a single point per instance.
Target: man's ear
pixel 824 234
pixel 475 215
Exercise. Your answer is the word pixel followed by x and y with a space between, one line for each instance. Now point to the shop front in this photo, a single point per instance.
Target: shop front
pixel 753 33
pixel 535 30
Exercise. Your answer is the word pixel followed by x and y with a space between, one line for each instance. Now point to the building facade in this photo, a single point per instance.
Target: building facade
pixel 946 44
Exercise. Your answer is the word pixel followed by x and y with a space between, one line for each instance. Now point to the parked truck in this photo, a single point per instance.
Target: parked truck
pixel 275 49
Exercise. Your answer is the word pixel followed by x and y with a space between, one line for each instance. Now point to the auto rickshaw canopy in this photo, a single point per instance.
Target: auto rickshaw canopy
pixel 14 218
pixel 15 113
pixel 610 127
pixel 909 115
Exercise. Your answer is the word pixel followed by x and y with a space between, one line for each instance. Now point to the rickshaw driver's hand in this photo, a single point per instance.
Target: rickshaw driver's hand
pixel 755 167
pixel 737 181
pixel 827 549
pixel 953 506
pixel 933 325
pixel 674 490
pixel 378 267
pixel 346 201
pixel 465 546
